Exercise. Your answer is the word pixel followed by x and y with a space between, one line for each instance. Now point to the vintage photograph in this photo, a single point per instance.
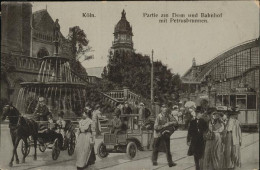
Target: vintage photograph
pixel 129 85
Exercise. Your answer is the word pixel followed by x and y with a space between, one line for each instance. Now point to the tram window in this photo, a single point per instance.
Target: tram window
pixel 251 101
pixel 241 101
pixel 226 100
pixel 232 100
pixel 219 100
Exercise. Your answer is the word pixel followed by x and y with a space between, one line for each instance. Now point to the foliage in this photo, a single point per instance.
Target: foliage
pixel 134 71
pixel 78 42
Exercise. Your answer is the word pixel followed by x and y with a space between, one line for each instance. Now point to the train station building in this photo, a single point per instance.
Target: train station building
pixel 230 79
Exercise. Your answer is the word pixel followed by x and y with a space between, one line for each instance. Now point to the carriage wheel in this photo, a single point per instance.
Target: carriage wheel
pixel 102 151
pixel 42 147
pixel 72 143
pixel 55 150
pixel 131 150
pixel 26 151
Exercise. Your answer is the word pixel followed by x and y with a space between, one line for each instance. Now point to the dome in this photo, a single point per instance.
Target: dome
pixel 123 26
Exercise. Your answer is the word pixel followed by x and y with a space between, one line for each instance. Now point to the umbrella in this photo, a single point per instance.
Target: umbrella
pixel 190 104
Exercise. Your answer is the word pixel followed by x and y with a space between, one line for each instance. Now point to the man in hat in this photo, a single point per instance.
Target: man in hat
pixel 162 121
pixel 141 111
pixel 195 141
pixel 127 111
pixel 41 111
pixel 96 114
pixel 116 123
pixel 232 141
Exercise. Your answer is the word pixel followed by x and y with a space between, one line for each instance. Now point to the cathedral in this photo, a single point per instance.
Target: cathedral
pixel 26 37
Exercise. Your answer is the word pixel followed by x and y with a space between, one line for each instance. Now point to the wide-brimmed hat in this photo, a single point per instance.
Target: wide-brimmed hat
pixel 41 99
pixel 164 106
pixel 222 108
pixel 141 104
pixel 233 110
pixel 86 109
pixel 175 107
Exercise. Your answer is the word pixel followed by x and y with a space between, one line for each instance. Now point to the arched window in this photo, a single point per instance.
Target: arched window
pixel 42 53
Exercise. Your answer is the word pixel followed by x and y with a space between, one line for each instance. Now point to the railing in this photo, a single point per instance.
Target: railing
pixel 108 98
pixel 42 36
pixel 22 63
pixel 127 95
pixel 116 94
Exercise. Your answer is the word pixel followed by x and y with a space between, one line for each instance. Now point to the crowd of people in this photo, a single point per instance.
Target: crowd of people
pixel 214 138
pixel 214 134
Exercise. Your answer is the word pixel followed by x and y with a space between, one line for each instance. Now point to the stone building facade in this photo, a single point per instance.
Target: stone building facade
pixel 26 37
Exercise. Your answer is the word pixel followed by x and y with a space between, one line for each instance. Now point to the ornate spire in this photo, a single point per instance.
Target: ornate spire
pixel 123 14
pixel 193 62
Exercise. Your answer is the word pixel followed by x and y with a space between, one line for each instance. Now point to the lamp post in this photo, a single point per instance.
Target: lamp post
pixel 152 98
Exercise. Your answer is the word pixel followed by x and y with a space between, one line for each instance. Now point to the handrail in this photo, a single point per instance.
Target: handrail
pixel 109 97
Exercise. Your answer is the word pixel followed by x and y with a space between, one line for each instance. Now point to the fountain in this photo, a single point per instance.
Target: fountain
pixel 56 82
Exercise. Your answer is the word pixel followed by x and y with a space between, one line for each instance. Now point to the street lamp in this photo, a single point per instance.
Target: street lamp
pixel 152 98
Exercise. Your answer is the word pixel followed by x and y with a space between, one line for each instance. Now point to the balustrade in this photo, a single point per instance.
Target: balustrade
pixel 42 36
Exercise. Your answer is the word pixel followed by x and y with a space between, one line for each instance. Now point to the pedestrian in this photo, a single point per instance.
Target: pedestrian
pixel 175 112
pixel 96 114
pixel 195 140
pixel 85 154
pixel 214 148
pixel 136 108
pixel 141 112
pixel 232 141
pixel 127 111
pixel 162 121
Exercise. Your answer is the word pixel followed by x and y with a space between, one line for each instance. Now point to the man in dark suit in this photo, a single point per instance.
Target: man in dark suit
pixel 197 128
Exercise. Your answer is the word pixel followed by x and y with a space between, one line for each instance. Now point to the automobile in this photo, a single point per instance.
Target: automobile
pixel 129 141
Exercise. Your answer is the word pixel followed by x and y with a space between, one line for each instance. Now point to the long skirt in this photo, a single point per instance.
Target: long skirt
pixel 84 150
pixel 213 155
pixel 232 156
pixel 97 127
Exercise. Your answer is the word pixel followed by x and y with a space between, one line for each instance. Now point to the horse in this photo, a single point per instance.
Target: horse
pixel 20 128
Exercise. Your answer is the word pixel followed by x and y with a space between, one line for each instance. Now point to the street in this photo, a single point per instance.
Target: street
pixel 118 161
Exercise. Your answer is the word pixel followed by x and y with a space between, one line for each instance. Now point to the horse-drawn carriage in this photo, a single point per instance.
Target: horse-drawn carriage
pixel 52 140
pixel 129 141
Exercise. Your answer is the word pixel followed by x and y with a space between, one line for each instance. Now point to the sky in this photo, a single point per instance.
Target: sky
pixel 175 44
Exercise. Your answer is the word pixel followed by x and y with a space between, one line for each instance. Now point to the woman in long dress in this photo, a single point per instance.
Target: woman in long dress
pixel 95 117
pixel 213 151
pixel 232 142
pixel 85 155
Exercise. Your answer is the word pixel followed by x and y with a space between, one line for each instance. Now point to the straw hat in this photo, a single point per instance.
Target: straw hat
pixel 86 109
pixel 233 110
pixel 41 99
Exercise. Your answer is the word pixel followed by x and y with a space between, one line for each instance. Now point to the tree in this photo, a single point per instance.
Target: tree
pixel 134 71
pixel 79 42
pixel 79 47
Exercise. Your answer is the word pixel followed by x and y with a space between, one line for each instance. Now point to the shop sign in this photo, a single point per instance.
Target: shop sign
pixel 241 89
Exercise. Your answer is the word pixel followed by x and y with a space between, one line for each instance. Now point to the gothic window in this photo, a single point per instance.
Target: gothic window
pixel 42 53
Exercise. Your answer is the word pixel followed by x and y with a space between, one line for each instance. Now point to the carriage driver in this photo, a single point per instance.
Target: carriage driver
pixel 41 111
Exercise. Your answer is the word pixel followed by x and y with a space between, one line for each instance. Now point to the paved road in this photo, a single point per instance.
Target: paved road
pixel 250 156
